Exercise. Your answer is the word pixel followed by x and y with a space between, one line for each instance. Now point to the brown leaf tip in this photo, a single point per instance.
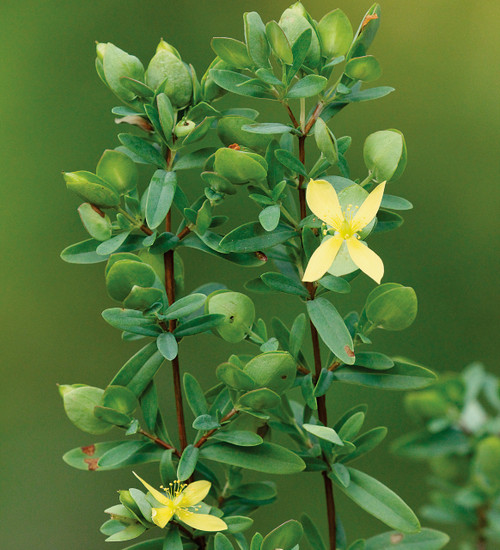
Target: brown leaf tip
pixel 234 147
pixel 349 351
pixel 367 19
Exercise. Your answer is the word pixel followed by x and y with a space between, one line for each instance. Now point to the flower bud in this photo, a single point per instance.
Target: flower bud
pixel 238 310
pixel 183 128
pixel 167 73
pixel 125 274
pixel 275 370
pixel 385 155
pixel 165 46
pixel 100 49
pixel 229 130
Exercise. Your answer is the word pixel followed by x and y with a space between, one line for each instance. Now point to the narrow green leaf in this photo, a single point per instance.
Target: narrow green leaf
pixel 323 432
pixel 143 149
pixel 282 283
pixel 160 196
pixel 256 39
pixel 252 237
pixel 187 462
pixel 427 539
pixel 194 395
pixel 288 160
pixel 307 87
pixel 332 329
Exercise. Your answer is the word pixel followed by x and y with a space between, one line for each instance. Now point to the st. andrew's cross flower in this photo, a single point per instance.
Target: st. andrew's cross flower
pixel 342 227
pixel 176 502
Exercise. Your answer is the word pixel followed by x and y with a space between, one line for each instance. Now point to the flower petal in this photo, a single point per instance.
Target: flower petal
pixel 160 497
pixel 161 516
pixel 365 259
pixel 324 203
pixel 195 492
pixel 203 522
pixel 322 258
pixel 368 210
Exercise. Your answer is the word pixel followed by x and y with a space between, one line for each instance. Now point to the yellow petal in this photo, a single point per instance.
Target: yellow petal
pixel 195 492
pixel 322 258
pixel 161 516
pixel 203 522
pixel 160 497
pixel 365 259
pixel 324 203
pixel 368 210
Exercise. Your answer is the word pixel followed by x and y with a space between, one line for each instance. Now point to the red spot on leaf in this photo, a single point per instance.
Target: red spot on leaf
pixel 397 537
pixel 367 19
pixel 349 351
pixel 234 147
pixel 88 450
pixel 92 463
pixel 262 257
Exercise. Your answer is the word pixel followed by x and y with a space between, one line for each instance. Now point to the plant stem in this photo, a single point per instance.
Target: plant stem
pixel 168 260
pixel 482 523
pixel 159 442
pixel 322 411
pixel 203 439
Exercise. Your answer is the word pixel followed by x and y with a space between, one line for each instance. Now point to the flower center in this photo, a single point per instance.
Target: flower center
pixel 174 489
pixel 346 230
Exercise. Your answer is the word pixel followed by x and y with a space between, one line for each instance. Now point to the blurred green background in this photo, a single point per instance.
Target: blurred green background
pixel 55 115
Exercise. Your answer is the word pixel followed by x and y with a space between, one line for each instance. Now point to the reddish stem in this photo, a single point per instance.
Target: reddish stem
pixel 203 439
pixel 159 442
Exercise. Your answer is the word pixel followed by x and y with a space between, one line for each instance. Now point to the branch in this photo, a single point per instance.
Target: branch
pixel 203 439
pixel 159 442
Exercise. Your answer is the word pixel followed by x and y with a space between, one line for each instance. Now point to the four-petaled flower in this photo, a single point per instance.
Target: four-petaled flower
pixel 176 502
pixel 345 226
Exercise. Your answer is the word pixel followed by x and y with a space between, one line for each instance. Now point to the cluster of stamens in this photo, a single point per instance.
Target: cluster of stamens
pixel 174 489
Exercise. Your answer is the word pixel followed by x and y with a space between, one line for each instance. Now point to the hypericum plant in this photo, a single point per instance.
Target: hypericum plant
pixel 459 438
pixel 205 501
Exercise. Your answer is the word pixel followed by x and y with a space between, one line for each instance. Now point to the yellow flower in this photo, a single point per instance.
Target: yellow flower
pixel 177 500
pixel 324 203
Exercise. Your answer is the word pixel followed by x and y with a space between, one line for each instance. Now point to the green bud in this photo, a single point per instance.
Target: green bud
pixel 165 46
pixel 240 167
pixel 230 132
pixel 119 170
pixel 184 127
pixel 294 22
pixel 238 310
pixel 92 188
pixel 385 154
pixel 275 370
pixel 79 404
pixel 168 74
pixel 100 50
pixel 391 306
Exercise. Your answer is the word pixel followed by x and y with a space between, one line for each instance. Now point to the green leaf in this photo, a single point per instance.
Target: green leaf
pixel 336 34
pixel 240 84
pixel 79 404
pixel 232 51
pixel 241 438
pixel 307 87
pixel 234 377
pixel 166 114
pixel 297 334
pixel 331 328
pixel 83 253
pixel 187 462
pixel 391 307
pixel 131 320
pixel 395 203
pixel 153 544
pixel 239 166
pixel 92 188
pixel 238 524
pixel 221 542
pixel 279 42
pixel 194 395
pixel 403 376
pixel 124 274
pixel 112 245
pixel 373 360
pixel 379 501
pixel 246 260
pixel 368 95
pixel 143 149
pixel 143 298
pixel 252 237
pixel 88 457
pixel 194 160
pixel 427 539
pixel 267 128
pixel 120 454
pixel 385 154
pixel 288 160
pixel 119 170
pixel 198 324
pixel 130 532
pixel 328 434
pixel 267 458
pixel 284 537
pixel 424 445
pixel 185 306
pixel 160 196
pixel 335 284
pixel 300 48
pixel 351 426
pixel 282 283
pixel 365 68
pixel 256 39
pixel 312 533
pixel 167 345
pixel 325 141
pixel 270 217
pixel 172 540
pixel 260 399
pixel 97 226
pixel 365 443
